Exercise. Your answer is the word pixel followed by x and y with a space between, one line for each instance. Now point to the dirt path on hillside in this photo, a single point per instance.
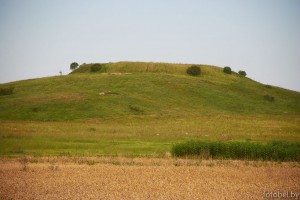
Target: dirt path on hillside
pixel 125 178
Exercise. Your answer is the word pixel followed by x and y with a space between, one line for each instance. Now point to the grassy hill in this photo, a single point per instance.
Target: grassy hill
pixel 146 105
pixel 135 92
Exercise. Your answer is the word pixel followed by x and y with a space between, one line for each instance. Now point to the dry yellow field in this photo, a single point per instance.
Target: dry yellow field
pixel 145 178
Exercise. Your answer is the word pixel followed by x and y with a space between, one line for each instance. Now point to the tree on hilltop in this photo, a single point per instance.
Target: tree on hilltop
pixel 242 73
pixel 227 70
pixel 74 66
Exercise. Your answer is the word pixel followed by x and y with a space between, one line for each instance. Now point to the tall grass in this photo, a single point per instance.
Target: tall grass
pixel 274 150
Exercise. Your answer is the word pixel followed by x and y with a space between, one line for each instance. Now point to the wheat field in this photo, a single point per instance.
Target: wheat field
pixel 144 178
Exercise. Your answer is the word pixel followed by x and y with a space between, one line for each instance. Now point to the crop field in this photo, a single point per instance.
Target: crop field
pixel 145 178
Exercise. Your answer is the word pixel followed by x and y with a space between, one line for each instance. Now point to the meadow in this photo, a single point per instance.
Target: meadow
pixel 134 137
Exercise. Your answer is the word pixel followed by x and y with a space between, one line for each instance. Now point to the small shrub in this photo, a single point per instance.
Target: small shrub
pixel 227 70
pixel 96 67
pixel 24 163
pixel 268 86
pixel 135 109
pixel 194 70
pixel 242 73
pixel 36 109
pixel 6 90
pixel 269 98
pixel 73 66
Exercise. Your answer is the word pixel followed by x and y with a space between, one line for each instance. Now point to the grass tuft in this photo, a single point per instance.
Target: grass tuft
pixel 135 109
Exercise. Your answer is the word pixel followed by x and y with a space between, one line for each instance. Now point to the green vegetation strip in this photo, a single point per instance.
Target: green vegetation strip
pixel 274 150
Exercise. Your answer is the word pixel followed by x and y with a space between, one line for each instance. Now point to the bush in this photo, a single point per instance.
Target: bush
pixel 96 67
pixel 269 98
pixel 242 73
pixel 227 70
pixel 268 86
pixel 6 90
pixel 274 150
pixel 135 109
pixel 194 70
pixel 73 66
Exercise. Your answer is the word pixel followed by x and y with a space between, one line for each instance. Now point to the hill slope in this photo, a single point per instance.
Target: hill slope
pixel 127 90
pixel 140 109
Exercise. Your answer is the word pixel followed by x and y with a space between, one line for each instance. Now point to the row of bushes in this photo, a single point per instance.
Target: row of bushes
pixel 195 70
pixel 274 150
pixel 228 70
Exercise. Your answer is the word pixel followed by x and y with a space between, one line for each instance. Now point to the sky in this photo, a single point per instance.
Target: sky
pixel 38 38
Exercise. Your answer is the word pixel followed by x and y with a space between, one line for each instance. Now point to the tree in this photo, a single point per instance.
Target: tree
pixel 74 66
pixel 227 70
pixel 194 70
pixel 242 73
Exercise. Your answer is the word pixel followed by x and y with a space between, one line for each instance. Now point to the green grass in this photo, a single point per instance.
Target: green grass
pixel 137 135
pixel 76 97
pixel 273 150
pixel 147 108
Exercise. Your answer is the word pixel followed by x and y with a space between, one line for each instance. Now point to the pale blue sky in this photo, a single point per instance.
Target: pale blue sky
pixel 41 37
